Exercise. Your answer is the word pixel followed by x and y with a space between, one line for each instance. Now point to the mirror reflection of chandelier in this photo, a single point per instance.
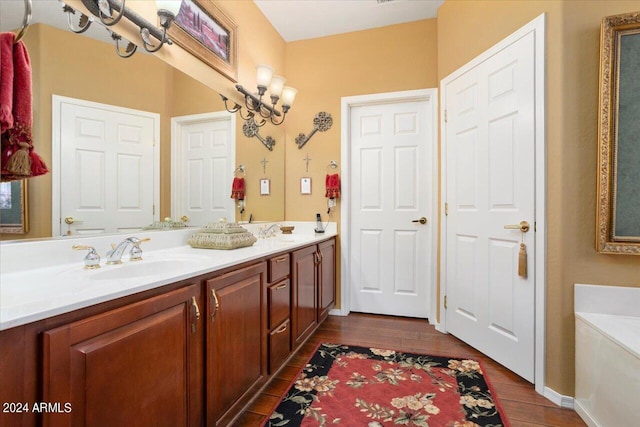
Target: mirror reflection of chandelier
pixel 254 103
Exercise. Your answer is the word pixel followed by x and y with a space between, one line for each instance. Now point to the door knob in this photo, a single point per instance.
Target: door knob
pixel 70 220
pixel 422 220
pixel 523 226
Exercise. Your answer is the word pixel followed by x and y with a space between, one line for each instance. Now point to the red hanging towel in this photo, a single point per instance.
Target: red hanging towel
pixel 237 189
pixel 332 182
pixel 6 81
pixel 18 160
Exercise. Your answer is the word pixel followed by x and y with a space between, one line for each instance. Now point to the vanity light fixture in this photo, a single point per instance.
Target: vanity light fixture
pixel 254 103
pixel 110 12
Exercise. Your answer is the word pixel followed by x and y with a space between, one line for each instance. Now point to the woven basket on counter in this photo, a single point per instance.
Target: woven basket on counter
pixel 222 235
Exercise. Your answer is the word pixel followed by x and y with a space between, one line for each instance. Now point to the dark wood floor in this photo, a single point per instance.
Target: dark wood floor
pixel 520 402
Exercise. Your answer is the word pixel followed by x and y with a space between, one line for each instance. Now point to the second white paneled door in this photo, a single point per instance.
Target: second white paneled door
pixel 489 150
pixel 390 200
pixel 105 176
pixel 203 153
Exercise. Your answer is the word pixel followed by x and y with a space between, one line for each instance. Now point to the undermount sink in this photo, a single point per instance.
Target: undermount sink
pixel 148 267
pixel 283 239
pixel 143 269
pixel 293 238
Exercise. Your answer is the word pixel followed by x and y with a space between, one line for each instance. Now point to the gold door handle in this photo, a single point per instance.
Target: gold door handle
pixel 523 226
pixel 422 220
pixel 184 218
pixel 70 220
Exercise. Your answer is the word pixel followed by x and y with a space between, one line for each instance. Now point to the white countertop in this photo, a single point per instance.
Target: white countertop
pixel 41 279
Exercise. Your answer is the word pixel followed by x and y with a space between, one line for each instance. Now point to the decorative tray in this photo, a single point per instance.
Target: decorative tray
pixel 222 235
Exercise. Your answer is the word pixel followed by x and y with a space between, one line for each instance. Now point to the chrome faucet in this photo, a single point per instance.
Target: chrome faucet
pixel 114 256
pixel 92 260
pixel 268 232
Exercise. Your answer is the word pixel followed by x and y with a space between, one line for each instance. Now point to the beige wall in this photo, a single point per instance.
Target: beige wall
pixel 394 58
pixel 466 29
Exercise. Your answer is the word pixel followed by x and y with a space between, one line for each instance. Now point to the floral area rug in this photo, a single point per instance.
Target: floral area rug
pixel 357 386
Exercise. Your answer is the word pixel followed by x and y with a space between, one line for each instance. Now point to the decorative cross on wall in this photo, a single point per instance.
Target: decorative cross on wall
pixel 307 160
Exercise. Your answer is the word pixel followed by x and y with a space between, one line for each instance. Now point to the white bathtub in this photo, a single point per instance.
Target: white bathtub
pixel 607 382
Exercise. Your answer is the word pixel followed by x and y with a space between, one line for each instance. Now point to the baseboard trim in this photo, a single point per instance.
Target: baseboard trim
pixel 338 312
pixel 584 414
pixel 559 399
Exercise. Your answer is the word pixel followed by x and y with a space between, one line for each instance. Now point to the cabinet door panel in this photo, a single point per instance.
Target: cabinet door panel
pixel 236 342
pixel 129 366
pixel 327 278
pixel 304 316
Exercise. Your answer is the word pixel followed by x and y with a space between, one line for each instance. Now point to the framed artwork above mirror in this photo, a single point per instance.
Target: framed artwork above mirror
pixel 203 30
pixel 618 210
pixel 14 218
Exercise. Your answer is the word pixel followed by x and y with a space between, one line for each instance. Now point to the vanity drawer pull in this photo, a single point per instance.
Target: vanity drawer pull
pixel 281 329
pixel 281 286
pixel 281 259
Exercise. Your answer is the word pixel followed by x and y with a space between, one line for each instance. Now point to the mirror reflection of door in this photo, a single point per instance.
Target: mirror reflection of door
pixel 203 161
pixel 105 179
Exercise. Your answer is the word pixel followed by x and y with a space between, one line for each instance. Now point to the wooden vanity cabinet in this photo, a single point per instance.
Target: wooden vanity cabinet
pixel 142 361
pixel 313 288
pixel 190 353
pixel 236 346
pixel 279 310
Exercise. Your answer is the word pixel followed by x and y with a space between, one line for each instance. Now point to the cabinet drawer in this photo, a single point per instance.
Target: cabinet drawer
pixel 279 345
pixel 279 297
pixel 278 267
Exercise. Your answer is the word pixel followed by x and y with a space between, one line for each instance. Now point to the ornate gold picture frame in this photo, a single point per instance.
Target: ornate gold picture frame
pixel 618 203
pixel 14 212
pixel 203 30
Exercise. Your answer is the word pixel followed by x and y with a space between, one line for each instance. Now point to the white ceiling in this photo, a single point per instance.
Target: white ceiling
pixel 305 19
pixel 293 19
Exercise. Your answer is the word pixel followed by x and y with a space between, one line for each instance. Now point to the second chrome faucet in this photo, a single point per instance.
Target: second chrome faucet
pixel 114 256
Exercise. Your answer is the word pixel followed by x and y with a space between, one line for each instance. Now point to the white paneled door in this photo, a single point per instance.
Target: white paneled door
pixel 107 174
pixel 204 151
pixel 489 154
pixel 391 197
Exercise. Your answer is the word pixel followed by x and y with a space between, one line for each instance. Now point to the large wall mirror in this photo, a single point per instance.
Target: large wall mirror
pixel 76 66
pixel 618 217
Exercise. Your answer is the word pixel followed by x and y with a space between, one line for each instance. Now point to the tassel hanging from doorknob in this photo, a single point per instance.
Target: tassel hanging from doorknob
pixel 522 260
